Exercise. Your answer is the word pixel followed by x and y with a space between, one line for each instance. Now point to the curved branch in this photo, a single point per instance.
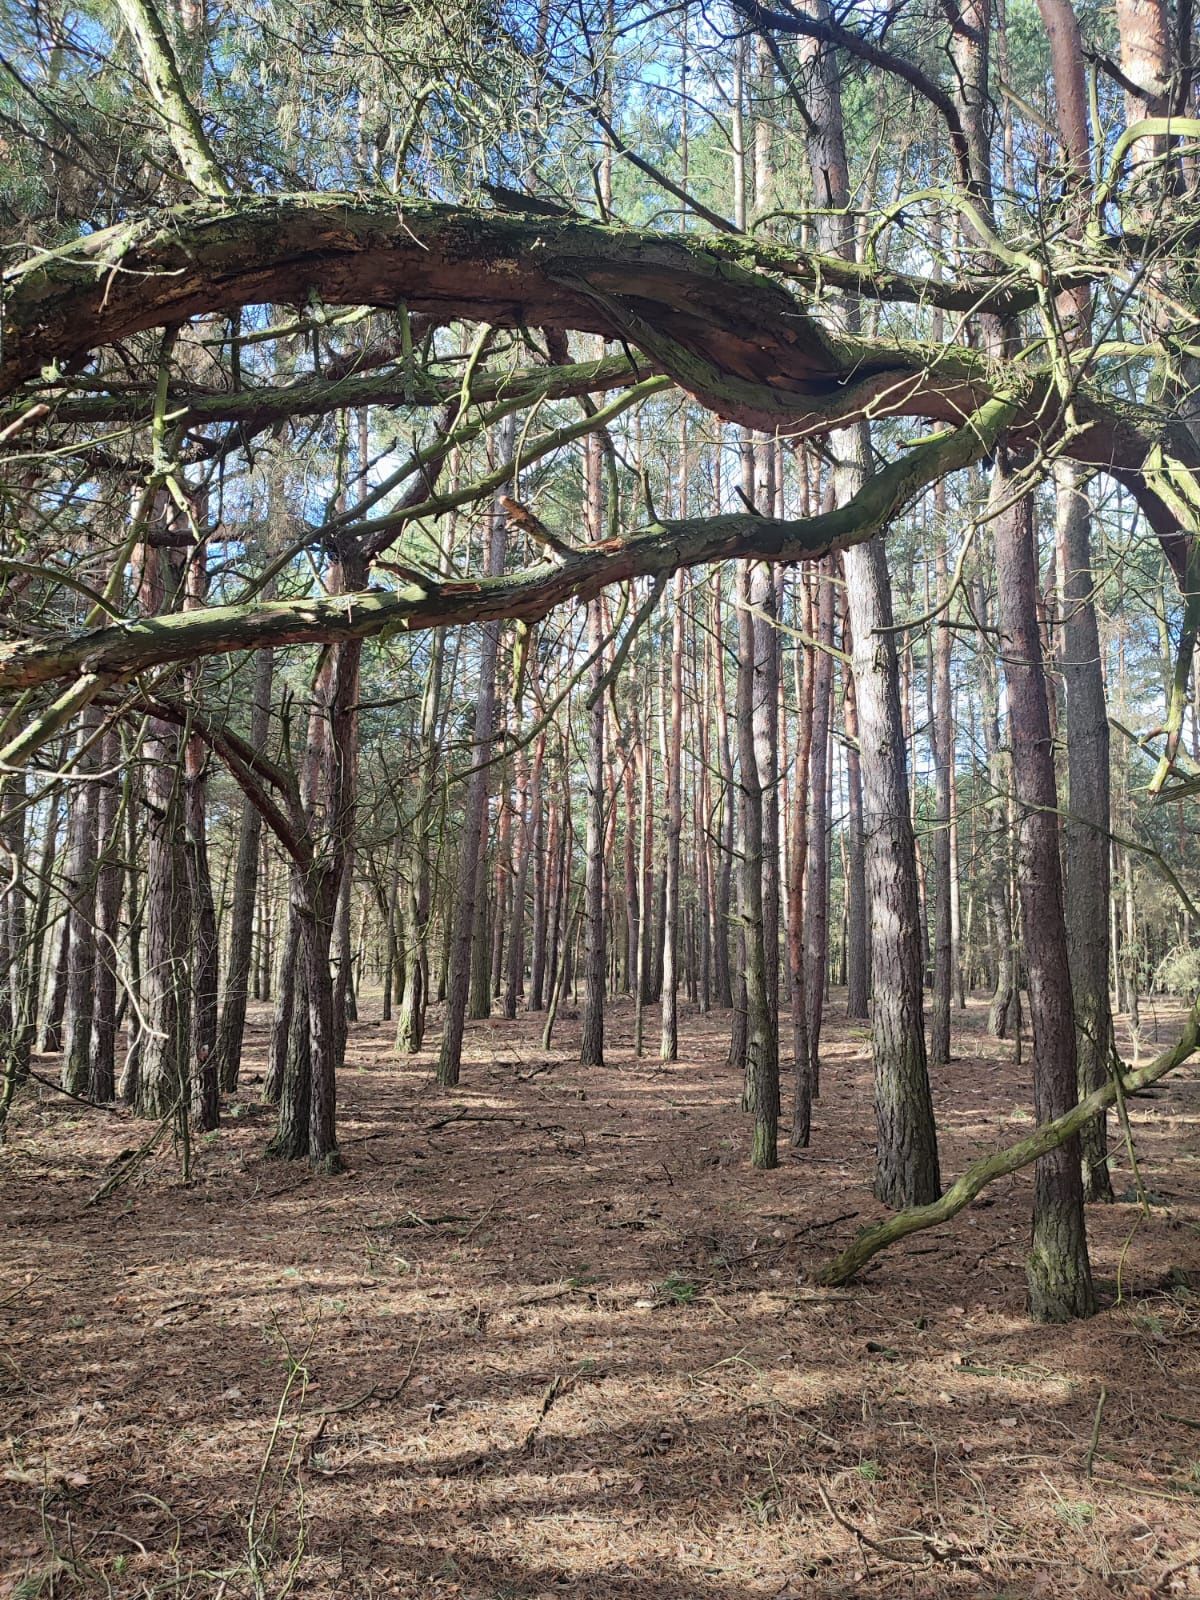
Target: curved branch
pixel 741 343
pixel 132 647
pixel 1049 1136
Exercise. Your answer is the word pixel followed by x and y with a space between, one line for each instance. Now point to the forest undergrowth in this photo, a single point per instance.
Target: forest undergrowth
pixel 548 1335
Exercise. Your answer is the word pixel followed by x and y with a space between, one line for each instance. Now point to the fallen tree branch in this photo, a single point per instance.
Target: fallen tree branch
pixel 1049 1136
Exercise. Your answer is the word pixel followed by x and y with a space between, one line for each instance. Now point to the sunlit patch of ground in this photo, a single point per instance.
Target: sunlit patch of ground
pixel 549 1335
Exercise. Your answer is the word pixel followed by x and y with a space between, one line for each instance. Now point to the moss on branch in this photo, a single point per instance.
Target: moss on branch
pixel 1002 1163
pixel 131 647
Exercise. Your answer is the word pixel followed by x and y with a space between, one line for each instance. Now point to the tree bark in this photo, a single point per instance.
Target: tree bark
pixel 231 1031
pixel 1060 1280
pixel 79 887
pixel 673 765
pixel 109 883
pixel 591 1049
pixel 467 900
pixel 943 758
pixel 906 1159
pixel 1087 824
pixel 762 1046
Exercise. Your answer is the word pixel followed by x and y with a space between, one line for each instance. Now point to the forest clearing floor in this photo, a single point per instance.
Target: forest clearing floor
pixel 550 1335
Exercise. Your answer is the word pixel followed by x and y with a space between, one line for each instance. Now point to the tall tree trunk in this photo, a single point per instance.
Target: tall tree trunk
pixel 817 891
pixel 1086 828
pixel 1060 1280
pixel 543 854
pixel 591 1048
pixel 766 746
pixel 673 763
pixel 906 1159
pixel 515 975
pixel 762 1046
pixel 20 965
pixel 858 961
pixel 467 901
pixel 109 882
pixel 80 889
pixel 162 1077
pixel 906 1154
pixel 797 865
pixel 292 1053
pixel 723 899
pixel 410 1025
pixel 205 1088
pixel 232 1027
pixel 943 758
pixel 290 981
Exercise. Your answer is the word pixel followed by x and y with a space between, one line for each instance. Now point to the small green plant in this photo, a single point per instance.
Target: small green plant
pixel 679 1291
pixel 1077 1514
pixel 761 1507
pixel 870 1470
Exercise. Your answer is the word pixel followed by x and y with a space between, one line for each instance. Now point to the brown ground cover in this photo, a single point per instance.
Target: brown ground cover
pixel 549 1335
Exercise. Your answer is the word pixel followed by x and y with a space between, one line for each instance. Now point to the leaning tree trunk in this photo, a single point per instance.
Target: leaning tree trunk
pixel 1060 1279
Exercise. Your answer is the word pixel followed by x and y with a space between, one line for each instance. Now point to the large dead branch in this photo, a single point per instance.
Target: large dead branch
pixel 737 339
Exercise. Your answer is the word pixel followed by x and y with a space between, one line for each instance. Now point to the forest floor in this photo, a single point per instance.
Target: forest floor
pixel 549 1335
